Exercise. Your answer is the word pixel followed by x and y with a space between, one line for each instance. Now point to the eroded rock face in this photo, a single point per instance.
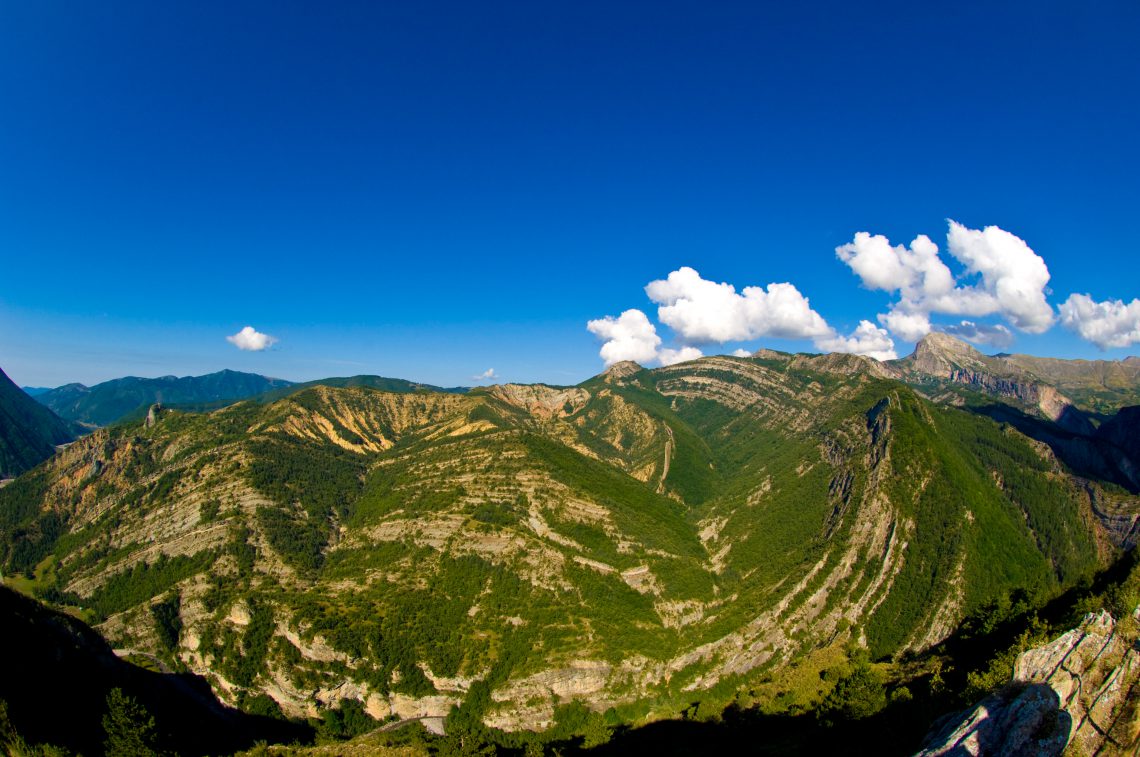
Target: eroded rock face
pixel 1026 719
pixel 622 370
pixel 1080 692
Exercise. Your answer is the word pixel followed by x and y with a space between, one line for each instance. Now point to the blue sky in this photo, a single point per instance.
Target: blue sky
pixel 429 190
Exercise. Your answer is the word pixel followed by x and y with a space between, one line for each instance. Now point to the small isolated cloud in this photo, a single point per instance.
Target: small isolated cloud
pixel 995 336
pixel 251 340
pixel 630 336
pixel 1011 279
pixel 486 375
pixel 741 353
pixel 867 339
pixel 702 312
pixel 1107 324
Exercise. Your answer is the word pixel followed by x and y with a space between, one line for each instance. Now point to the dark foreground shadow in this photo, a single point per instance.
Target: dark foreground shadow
pixel 898 730
pixel 57 673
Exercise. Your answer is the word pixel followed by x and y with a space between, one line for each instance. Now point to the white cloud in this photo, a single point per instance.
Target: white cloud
pixel 997 336
pixel 1012 278
pixel 630 336
pixel 251 340
pixel 701 311
pixel 1012 273
pixel 1106 324
pixel 486 375
pixel 916 272
pixel 868 339
pixel 672 357
pixel 909 327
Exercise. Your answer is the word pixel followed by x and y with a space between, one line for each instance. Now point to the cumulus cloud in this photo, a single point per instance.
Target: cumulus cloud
pixel 916 271
pixel 701 311
pixel 1011 279
pixel 741 353
pixel 672 357
pixel 867 339
pixel 1111 323
pixel 996 336
pixel 908 326
pixel 630 336
pixel 251 340
pixel 486 375
pixel 1012 273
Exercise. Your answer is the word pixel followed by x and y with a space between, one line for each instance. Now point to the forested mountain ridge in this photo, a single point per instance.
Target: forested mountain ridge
pixel 29 432
pixel 105 403
pixel 639 541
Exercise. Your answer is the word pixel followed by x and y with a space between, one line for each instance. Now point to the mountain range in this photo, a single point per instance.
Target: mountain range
pixel 563 559
pixel 105 403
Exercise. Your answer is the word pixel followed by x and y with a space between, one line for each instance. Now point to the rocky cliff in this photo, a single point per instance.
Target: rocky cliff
pixel 1078 695
pixel 942 358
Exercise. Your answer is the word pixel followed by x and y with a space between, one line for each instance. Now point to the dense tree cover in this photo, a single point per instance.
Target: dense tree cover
pixel 692 474
pixel 322 479
pixel 859 693
pixel 26 533
pixel 130 728
pixel 168 621
pixel 658 521
pixel 500 513
pixel 345 721
pixel 254 644
pixel 298 537
pixel 968 535
pixel 313 486
pixel 144 581
pixel 239 547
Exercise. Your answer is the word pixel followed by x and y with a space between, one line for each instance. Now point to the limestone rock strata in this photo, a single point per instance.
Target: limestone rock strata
pixel 1079 694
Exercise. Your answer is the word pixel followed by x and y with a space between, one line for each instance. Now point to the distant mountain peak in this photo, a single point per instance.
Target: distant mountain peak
pixel 938 341
pixel 939 354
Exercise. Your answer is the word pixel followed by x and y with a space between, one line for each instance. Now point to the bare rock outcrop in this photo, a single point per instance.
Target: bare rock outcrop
pixel 620 370
pixel 1079 694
